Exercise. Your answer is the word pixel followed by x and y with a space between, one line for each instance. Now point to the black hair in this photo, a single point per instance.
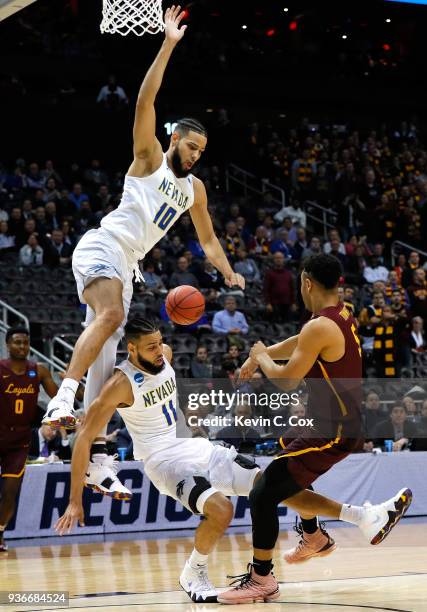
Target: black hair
pixel 137 326
pixel 398 405
pixel 324 269
pixel 186 124
pixel 16 330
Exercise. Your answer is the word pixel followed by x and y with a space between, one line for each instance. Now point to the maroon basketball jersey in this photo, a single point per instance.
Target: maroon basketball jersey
pixel 18 394
pixel 335 389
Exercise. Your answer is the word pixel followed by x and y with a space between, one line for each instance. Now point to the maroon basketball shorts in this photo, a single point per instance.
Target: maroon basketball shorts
pixel 14 447
pixel 309 458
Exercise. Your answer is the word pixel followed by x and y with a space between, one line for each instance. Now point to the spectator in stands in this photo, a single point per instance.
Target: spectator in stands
pixel 152 281
pixel 314 248
pixel 175 248
pixel 162 266
pixel 411 409
pixel 417 339
pixel 417 293
pixel 303 173
pixel 232 240
pixel 46 441
pixel 27 209
pixel 386 354
pixel 233 355
pixel 31 254
pixel 102 199
pixel 259 245
pixel 16 221
pixel 247 267
pixel 33 179
pixel 209 277
pixel 412 264
pixel 77 196
pixel 84 219
pixel 201 367
pixel 7 242
pixel 69 234
pixel 230 320
pixel 111 96
pixel 51 193
pixel 4 215
pixel 396 428
pixel 300 244
pixel 373 413
pixel 336 252
pixel 350 215
pixel 240 434
pixel 182 276
pixel 40 219
pixel 295 212
pixel 374 271
pixel 95 176
pixel 51 218
pixel 279 291
pixel 281 243
pixel 57 252
pixel 334 234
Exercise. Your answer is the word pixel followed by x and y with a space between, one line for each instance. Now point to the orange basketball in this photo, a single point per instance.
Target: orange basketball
pixel 185 305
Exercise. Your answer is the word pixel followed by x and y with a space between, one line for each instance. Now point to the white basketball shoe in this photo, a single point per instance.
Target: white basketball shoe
pixel 197 585
pixel 60 412
pixel 101 476
pixel 380 519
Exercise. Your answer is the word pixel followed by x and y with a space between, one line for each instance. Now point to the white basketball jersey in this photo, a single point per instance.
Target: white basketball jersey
pixel 151 420
pixel 148 209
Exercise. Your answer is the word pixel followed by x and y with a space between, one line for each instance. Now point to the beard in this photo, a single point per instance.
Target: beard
pixel 149 367
pixel 177 165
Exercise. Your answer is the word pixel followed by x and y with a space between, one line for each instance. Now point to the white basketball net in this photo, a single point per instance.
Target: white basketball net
pixel 137 16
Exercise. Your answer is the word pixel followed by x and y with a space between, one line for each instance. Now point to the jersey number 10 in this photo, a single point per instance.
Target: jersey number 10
pixel 164 216
pixel 169 412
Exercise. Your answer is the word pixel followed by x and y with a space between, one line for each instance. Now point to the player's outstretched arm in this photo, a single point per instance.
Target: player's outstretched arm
pixel 145 143
pixel 278 352
pixel 208 239
pixel 117 390
pixel 314 337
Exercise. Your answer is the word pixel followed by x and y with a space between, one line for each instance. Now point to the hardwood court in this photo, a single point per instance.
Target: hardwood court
pixel 142 575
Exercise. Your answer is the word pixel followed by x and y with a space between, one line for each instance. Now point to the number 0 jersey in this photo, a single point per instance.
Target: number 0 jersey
pixel 148 208
pixel 151 420
pixel 18 395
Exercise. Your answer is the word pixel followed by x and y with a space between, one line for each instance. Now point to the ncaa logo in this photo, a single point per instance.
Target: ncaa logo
pixel 139 377
pixel 32 373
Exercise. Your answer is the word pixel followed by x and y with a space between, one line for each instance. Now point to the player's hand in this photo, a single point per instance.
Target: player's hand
pixel 248 369
pixel 233 279
pixel 257 349
pixel 173 17
pixel 72 514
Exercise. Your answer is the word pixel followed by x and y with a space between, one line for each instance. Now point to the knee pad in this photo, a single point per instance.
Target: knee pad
pixel 193 491
pixel 244 473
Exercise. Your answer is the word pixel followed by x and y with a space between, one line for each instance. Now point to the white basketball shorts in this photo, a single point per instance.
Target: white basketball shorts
pixel 99 255
pixel 195 469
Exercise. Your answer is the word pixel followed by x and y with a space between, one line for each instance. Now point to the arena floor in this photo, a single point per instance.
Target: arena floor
pixel 142 574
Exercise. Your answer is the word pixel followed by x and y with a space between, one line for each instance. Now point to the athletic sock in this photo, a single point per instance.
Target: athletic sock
pixel 262 568
pixel 68 387
pixel 98 451
pixel 352 514
pixel 197 559
pixel 309 525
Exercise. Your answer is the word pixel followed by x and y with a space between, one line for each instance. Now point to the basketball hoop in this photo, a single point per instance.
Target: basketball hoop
pixel 137 16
